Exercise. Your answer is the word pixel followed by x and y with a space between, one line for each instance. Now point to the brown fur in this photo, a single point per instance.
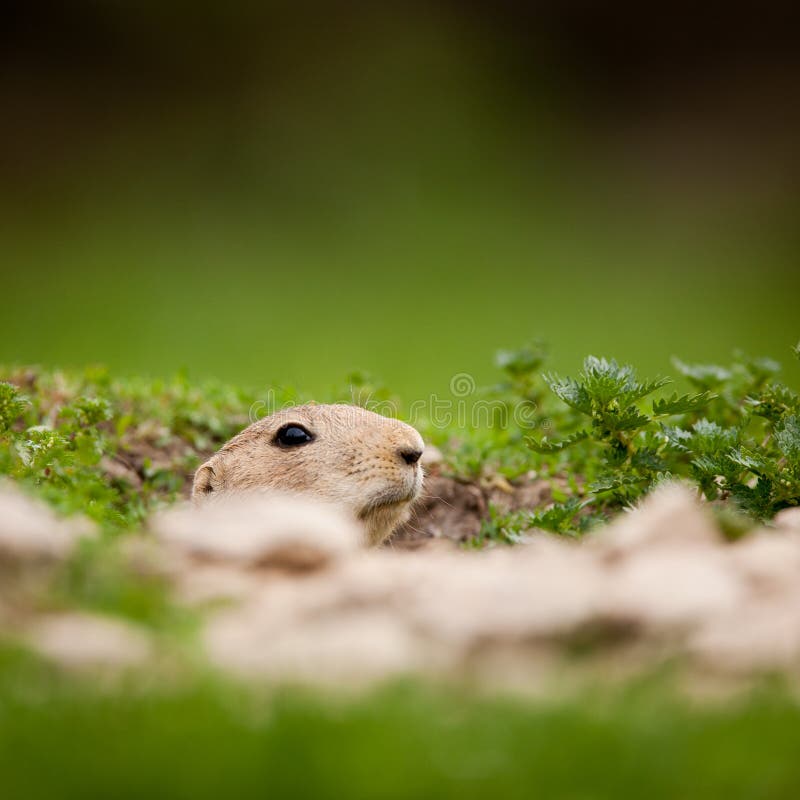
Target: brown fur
pixel 355 461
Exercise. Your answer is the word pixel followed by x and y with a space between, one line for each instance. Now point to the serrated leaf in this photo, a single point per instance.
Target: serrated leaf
pixel 643 388
pixel 753 499
pixel 524 361
pixel 558 517
pixel 710 437
pixel 773 401
pixel 681 404
pixel 787 437
pixel 750 460
pixel 764 366
pixel 629 420
pixel 647 458
pixel 606 380
pixel 12 405
pixel 544 445
pixel 704 376
pixel 570 392
pixel 677 438
pixel 615 483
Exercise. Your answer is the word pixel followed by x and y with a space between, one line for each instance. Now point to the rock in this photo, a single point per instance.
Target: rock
pixel 768 560
pixel 505 595
pixel 88 641
pixel 664 590
pixel 755 637
pixel 669 516
pixel 31 531
pixel 203 584
pixel 788 519
pixel 352 648
pixel 260 530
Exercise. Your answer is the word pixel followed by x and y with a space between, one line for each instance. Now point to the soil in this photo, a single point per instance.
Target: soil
pixel 455 509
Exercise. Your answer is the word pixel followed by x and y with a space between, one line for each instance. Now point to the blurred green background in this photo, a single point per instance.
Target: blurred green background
pixel 272 194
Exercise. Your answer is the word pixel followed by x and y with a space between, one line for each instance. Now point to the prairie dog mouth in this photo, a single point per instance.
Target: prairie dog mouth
pixel 396 496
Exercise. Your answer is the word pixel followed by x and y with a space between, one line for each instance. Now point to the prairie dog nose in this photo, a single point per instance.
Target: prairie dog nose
pixel 409 455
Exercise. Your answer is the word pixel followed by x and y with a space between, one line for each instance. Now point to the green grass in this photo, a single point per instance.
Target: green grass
pixel 60 739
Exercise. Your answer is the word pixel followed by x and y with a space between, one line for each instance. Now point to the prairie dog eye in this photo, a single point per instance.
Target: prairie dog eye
pixel 292 435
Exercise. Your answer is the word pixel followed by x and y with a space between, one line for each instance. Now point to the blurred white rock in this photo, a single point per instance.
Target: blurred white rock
pixel 79 641
pixel 788 519
pixel 670 515
pixel 661 589
pixel 32 531
pixel 768 560
pixel 260 529
pixel 350 648
pixel 505 594
pixel 756 637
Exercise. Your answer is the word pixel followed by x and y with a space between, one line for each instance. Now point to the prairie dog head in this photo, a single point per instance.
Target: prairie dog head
pixel 342 454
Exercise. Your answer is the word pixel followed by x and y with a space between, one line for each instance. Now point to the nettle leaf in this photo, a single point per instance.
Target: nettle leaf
pixel 751 461
pixel 681 405
pixel 766 365
pixel 648 459
pixel 41 446
pixel 616 454
pixel 756 500
pixel 524 361
pixel 625 485
pixel 787 437
pixel 796 350
pixel 570 392
pixel 557 518
pixel 710 465
pixel 12 405
pixel 773 401
pixel 760 369
pixel 710 437
pixel 748 447
pixel 87 410
pixel 713 472
pixel 506 528
pixel 606 381
pixel 630 419
pixel 704 376
pixel 544 445
pixel 644 388
pixel 677 438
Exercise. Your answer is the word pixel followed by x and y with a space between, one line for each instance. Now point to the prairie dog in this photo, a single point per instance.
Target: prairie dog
pixel 342 454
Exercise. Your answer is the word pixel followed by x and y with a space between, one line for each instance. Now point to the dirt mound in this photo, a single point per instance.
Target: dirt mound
pixel 456 509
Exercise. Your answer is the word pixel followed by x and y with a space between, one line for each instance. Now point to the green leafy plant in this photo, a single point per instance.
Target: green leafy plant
pixel 737 437
pixel 111 449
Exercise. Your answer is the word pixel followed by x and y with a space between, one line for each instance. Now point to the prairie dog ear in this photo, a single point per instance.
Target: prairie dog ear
pixel 206 481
